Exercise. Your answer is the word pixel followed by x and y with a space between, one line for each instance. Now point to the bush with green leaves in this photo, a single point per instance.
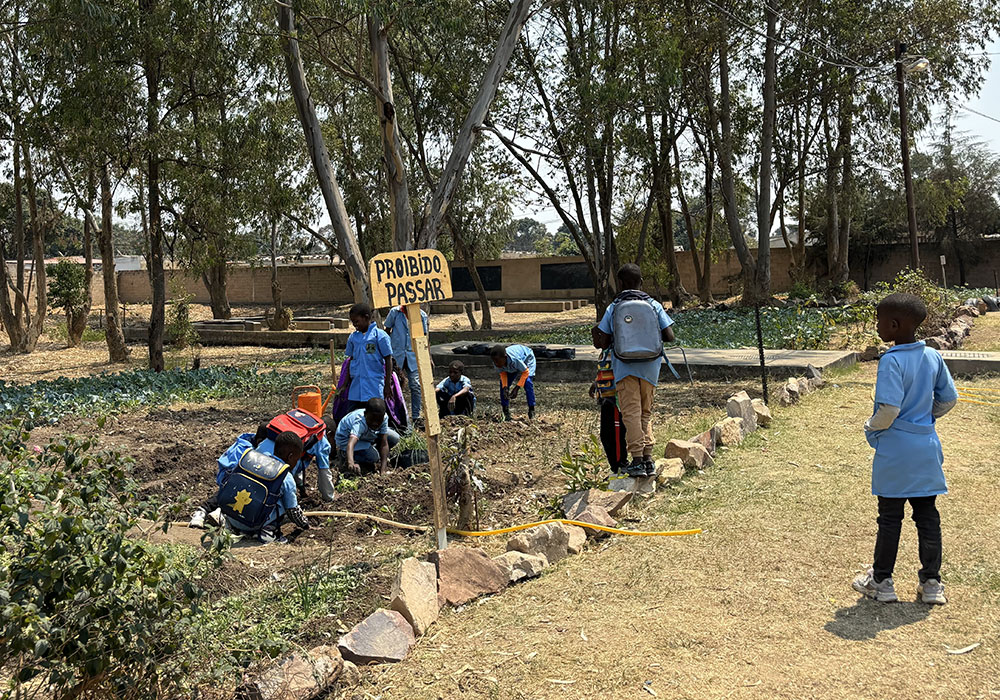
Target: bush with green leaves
pixel 940 302
pixel 106 394
pixel 67 287
pixel 87 607
pixel 585 469
pixel 179 329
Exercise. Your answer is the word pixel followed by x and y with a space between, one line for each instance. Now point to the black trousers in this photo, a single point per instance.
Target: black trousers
pixel 890 523
pixel 613 434
pixel 463 404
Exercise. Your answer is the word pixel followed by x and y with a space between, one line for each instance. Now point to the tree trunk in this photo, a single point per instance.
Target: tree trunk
pixel 832 205
pixel 763 275
pixel 157 280
pixel 76 319
pixel 215 282
pixel 347 242
pixel 665 210
pixel 282 318
pixel 516 19
pixel 732 213
pixel 400 213
pixel 113 334
pixel 37 323
pixel 12 314
pixel 469 258
pixel 953 220
pixel 841 271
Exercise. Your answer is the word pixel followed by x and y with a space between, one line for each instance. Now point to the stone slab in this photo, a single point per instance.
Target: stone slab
pixel 642 486
pixel 301 325
pixel 300 676
pixel 465 573
pixel 703 362
pixel 536 307
pixel 519 566
pixel 611 501
pixel 966 362
pixel 415 594
pixel 551 542
pixel 383 637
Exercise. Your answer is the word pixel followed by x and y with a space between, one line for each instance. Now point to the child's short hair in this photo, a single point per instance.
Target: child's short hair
pixel 360 309
pixel 908 306
pixel 376 407
pixel 629 275
pixel 457 365
pixel 498 352
pixel 287 444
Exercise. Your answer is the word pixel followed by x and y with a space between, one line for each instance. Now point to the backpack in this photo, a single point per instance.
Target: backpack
pixel 605 378
pixel 636 328
pixel 250 492
pixel 303 423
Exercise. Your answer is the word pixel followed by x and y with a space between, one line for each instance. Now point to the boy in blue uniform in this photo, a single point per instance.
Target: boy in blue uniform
pixel 319 450
pixel 517 360
pixel 288 449
pixel 360 431
pixel 370 352
pixel 913 390
pixel 398 327
pixel 454 394
pixel 635 380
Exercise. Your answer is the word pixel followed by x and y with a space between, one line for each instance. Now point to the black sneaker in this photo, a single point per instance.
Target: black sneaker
pixel 506 415
pixel 531 412
pixel 637 469
pixel 650 465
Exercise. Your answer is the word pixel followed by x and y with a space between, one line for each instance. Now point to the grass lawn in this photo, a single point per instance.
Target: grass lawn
pixel 760 604
pixel 986 336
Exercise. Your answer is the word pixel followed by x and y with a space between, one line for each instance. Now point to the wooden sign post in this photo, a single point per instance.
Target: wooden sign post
pixel 411 278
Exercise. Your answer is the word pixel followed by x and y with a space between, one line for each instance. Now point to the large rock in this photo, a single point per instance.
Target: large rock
pixel 551 542
pixel 518 565
pixel 706 440
pixel 763 412
pixel 669 471
pixel 300 676
pixel 465 573
pixel 815 377
pixel 577 538
pixel 350 677
pixel 970 311
pixel 938 342
pixel 740 406
pixel 381 638
pixel 869 354
pixel 981 307
pixel 415 594
pixel 595 515
pixel 729 432
pixel 692 454
pixel 611 501
pixel 641 486
pixel 791 388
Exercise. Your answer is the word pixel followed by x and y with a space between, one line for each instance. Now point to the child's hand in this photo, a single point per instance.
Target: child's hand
pixel 593 390
pixel 513 392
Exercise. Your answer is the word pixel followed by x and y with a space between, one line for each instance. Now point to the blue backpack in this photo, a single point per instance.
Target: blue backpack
pixel 251 491
pixel 636 329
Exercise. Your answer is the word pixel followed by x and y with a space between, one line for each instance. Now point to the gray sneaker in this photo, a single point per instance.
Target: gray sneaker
pixel 198 518
pixel 883 592
pixel 931 592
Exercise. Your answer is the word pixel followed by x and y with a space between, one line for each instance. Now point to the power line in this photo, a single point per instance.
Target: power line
pixel 984 116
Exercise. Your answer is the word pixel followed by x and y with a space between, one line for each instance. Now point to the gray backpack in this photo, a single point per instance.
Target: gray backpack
pixel 636 331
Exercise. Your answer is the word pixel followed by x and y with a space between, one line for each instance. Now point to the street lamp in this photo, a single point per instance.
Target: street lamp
pixel 908 64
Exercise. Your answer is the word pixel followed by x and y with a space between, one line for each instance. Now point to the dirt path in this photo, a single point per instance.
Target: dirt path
pixel 760 605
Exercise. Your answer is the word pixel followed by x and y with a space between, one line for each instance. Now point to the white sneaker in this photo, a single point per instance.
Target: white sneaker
pixel 216 516
pixel 883 592
pixel 931 592
pixel 198 519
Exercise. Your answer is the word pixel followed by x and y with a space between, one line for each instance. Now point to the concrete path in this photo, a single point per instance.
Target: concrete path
pixel 704 362
pixel 970 362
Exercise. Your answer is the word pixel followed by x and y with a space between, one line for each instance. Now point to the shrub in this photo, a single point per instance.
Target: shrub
pixel 940 302
pixel 86 607
pixel 68 290
pixel 584 469
pixel 179 330
pixel 801 290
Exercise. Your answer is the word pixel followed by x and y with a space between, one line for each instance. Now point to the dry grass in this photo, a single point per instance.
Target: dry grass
pixel 985 334
pixel 760 605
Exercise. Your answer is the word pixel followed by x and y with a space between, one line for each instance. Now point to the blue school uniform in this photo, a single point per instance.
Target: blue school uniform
pixel 230 458
pixel 320 451
pixel 368 352
pixel 402 346
pixel 520 358
pixel 451 388
pixel 648 370
pixel 354 423
pixel 908 458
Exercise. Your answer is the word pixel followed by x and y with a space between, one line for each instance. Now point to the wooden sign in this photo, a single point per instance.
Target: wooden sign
pixel 409 277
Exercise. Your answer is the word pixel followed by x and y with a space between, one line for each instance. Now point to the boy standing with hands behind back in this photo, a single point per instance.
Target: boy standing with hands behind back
pixel 635 326
pixel 913 390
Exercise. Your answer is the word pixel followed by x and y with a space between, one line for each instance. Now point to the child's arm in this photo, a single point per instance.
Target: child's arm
pixel 351 464
pixel 883 418
pixel 383 451
pixel 889 394
pixel 593 390
pixel 945 393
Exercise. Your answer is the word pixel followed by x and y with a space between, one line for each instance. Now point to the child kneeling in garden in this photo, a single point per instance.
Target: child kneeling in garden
pixel 358 434
pixel 454 394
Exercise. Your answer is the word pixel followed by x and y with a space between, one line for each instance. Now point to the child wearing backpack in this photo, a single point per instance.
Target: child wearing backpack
pixel 516 360
pixel 634 327
pixel 613 435
pixel 260 490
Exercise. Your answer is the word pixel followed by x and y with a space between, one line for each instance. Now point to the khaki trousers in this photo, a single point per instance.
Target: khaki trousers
pixel 635 401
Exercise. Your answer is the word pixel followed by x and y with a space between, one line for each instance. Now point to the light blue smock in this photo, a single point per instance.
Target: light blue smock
pixel 368 352
pixel 908 458
pixel 402 347
pixel 519 358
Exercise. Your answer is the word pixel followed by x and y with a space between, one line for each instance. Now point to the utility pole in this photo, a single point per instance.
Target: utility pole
pixel 904 146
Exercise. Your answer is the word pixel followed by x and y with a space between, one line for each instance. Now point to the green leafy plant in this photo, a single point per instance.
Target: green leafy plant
pixel 584 469
pixel 463 474
pixel 940 302
pixel 67 287
pixel 88 608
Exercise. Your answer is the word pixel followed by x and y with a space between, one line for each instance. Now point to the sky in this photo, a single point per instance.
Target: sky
pixel 988 102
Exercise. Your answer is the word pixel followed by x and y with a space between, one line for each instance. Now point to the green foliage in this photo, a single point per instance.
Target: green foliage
pixel 179 330
pixel 585 469
pixel 940 302
pixel 87 609
pixel 801 290
pixel 105 394
pixel 413 440
pixel 90 335
pixel 67 285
